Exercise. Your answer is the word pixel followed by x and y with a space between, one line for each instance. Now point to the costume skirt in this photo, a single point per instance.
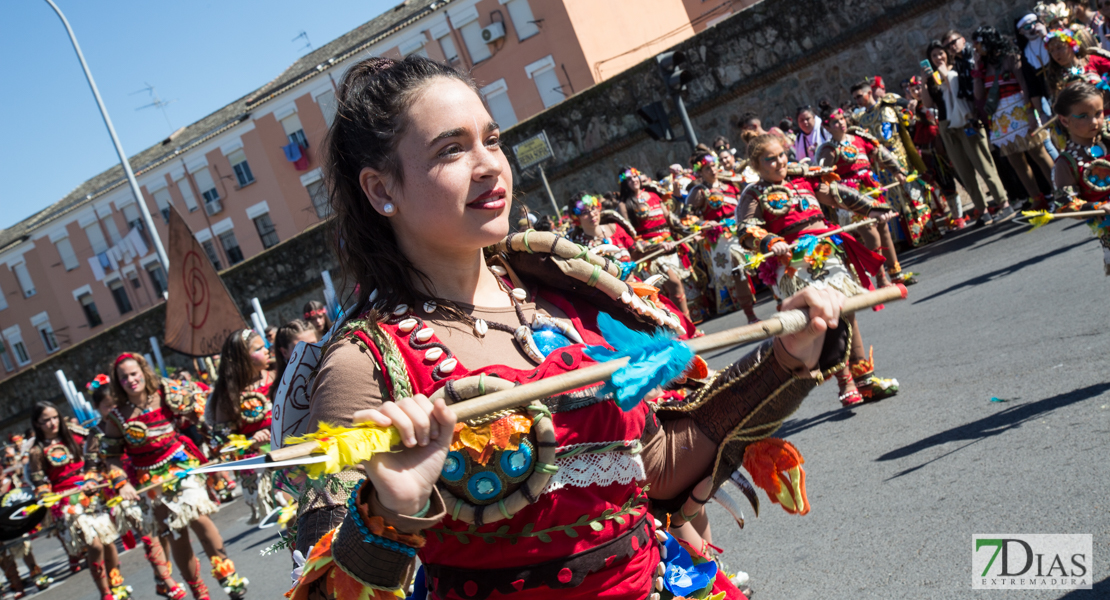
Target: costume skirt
pixel 81 527
pixel 1010 127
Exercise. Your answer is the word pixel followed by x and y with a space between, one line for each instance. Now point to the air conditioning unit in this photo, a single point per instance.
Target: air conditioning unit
pixel 493 32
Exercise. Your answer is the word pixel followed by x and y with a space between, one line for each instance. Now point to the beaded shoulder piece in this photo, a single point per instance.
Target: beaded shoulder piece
pixel 370 338
pixel 863 133
pixel 183 397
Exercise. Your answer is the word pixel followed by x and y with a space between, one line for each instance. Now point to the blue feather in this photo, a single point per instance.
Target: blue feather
pixel 806 244
pixel 655 359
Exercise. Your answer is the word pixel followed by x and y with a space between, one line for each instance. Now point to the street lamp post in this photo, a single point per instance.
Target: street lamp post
pixel 147 220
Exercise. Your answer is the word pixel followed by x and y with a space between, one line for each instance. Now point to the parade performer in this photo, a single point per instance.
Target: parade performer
pixel 853 152
pixel 614 239
pixel 58 465
pixel 555 497
pixel 143 426
pixel 1072 60
pixel 780 209
pixel 240 405
pixel 129 516
pixel 714 201
pixel 297 330
pixel 317 314
pixel 883 120
pixel 1082 171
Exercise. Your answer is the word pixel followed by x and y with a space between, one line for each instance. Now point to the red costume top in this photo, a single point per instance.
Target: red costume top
pixel 1091 174
pixel 54 465
pixel 255 413
pixel 151 439
pixel 649 216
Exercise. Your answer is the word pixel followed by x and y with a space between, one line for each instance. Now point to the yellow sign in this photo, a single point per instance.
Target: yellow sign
pixel 533 150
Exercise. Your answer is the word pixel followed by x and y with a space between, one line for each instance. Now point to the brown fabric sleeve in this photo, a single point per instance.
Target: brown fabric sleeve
pixel 348 380
pixel 676 457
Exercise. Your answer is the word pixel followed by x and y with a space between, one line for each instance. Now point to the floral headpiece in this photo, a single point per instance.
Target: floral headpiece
pixel 839 112
pixel 97 381
pixel 245 334
pixel 1064 36
pixel 914 81
pixel 706 160
pixel 585 205
pixel 627 173
pixel 319 312
pixel 1049 12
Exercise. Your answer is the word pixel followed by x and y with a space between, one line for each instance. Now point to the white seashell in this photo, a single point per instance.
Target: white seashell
pixel 653 597
pixel 424 334
pixel 661 536
pixel 626 297
pixel 433 354
pixel 659 584
pixel 660 569
pixel 407 325
pixel 448 365
pixel 658 523
pixel 430 306
pixel 401 309
pixel 520 294
pixel 480 327
pixel 498 270
pixel 662 552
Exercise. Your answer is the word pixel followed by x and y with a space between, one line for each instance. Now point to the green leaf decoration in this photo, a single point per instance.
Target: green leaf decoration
pixel 463 539
pixel 619 519
pixel 502 530
pixel 528 529
pixel 570 532
pixel 597 526
pixel 544 538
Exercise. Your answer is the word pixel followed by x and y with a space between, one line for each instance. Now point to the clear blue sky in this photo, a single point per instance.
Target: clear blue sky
pixel 200 53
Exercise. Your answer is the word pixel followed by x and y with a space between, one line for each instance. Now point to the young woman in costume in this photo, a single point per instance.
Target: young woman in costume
pixel 143 427
pixel 854 153
pixel 1073 60
pixel 297 330
pixel 57 465
pixel 317 314
pixel 1082 171
pixel 421 188
pixel 782 207
pixel 240 405
pixel 614 239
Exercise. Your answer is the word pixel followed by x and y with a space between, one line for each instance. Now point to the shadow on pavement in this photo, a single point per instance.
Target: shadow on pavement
pixel 1101 589
pixel 799 425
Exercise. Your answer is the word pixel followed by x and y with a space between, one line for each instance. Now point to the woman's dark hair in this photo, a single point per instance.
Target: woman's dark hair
pixel 315 305
pixel 369 121
pixel 626 192
pixel 286 334
pixel 934 45
pixel 63 429
pixel 99 394
pixel 804 109
pixel 995 45
pixel 826 111
pixel 786 124
pixel 234 372
pixel 1074 94
pixel 720 142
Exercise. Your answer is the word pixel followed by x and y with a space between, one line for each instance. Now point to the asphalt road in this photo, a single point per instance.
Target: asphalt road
pixel 898 488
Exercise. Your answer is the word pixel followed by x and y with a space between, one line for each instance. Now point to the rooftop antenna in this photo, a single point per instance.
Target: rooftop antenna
pixel 156 102
pixel 307 42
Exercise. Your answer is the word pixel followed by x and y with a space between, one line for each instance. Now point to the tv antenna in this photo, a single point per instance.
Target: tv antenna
pixel 307 42
pixel 156 102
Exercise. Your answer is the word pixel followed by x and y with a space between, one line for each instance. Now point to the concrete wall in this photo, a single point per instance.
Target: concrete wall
pixel 282 279
pixel 769 58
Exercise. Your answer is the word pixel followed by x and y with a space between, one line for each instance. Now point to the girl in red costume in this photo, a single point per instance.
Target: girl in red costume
pixel 779 210
pixel 556 497
pixel 611 239
pixel 240 405
pixel 57 465
pixel 142 427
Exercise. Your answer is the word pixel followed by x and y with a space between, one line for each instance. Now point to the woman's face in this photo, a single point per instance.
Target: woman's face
pixel 318 321
pixel 1061 52
pixel 837 124
pixel 259 355
pixel 106 405
pixel 1086 118
pixel 591 218
pixel 49 422
pixel 939 57
pixel 727 160
pixel 806 121
pixel 914 91
pixel 131 378
pixel 457 184
pixel 308 337
pixel 634 183
pixel 772 165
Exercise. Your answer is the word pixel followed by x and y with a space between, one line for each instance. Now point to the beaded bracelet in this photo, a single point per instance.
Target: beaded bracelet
pixel 370 538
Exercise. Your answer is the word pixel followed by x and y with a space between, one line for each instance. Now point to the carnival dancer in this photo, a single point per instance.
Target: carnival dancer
pixel 1072 60
pixel 285 341
pixel 782 207
pixel 142 427
pixel 655 224
pixel 57 465
pixel 714 201
pixel 132 517
pixel 884 122
pixel 614 240
pixel 1082 171
pixel 853 152
pixel 317 314
pixel 415 210
pixel 1000 85
pixel 240 405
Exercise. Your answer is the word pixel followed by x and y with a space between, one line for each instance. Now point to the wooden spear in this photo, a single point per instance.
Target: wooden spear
pixel 661 252
pixel 845 229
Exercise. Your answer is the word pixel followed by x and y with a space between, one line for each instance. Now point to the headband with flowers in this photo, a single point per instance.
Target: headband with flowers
pixel 319 312
pixel 627 173
pixel 1064 36
pixel 97 381
pixel 706 160
pixel 915 81
pixel 585 205
pixel 836 114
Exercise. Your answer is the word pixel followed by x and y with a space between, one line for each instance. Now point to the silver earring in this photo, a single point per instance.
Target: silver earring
pixel 388 208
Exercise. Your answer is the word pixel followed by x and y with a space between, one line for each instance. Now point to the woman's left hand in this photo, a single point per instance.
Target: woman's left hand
pixel 823 308
pixel 881 216
pixel 262 436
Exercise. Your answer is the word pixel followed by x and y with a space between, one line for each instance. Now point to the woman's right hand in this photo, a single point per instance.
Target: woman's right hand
pixel 781 249
pixel 404 480
pixel 127 492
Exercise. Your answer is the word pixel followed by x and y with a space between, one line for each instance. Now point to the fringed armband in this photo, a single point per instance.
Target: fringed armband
pixel 754 237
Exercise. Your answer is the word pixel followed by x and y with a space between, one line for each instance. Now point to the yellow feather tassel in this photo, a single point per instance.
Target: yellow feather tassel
pixel 1038 218
pixel 347 446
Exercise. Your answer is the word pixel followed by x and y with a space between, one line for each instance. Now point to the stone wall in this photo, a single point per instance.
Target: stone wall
pixel 283 278
pixel 769 58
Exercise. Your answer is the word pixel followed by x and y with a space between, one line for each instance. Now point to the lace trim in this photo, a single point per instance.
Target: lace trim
pixel 602 469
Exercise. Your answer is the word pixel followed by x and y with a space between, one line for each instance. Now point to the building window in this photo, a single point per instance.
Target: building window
pixel 3 300
pixel 326 102
pixel 475 45
pixel 24 277
pixel 319 194
pixel 96 238
pixel 5 357
pixel 449 51
pixel 46 332
pixel 210 250
pixel 208 191
pixel 15 340
pixel 231 247
pixel 523 21
pixel 133 277
pixel 293 130
pixel 65 250
pixel 133 216
pixel 119 294
pixel 242 169
pixel 266 230
pixel 547 82
pixel 163 200
pixel 497 98
pixel 186 193
pixel 113 231
pixel 92 315
pixel 158 278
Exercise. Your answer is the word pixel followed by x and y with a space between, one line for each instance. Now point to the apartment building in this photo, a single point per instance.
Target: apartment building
pixel 248 175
